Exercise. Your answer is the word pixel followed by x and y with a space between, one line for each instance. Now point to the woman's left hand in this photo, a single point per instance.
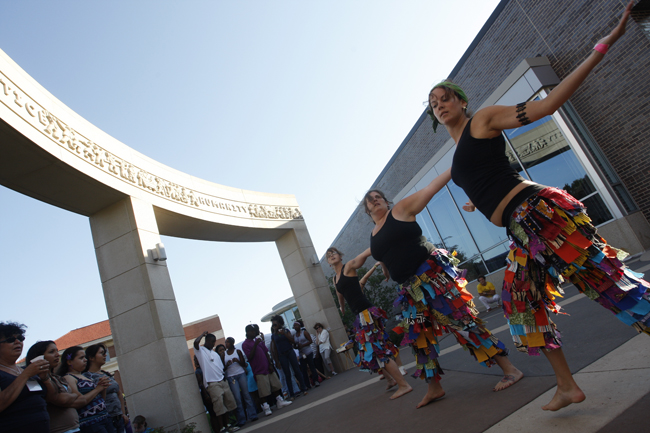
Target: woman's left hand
pixel 469 207
pixel 620 28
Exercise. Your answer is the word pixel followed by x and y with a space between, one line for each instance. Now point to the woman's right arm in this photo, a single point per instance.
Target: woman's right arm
pixel 11 393
pixel 407 208
pixel 82 399
pixel 490 121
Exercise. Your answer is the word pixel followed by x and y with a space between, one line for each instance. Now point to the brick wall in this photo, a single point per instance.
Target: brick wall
pixel 614 101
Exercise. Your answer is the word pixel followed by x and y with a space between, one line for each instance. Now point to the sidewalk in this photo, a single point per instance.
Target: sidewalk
pixel 609 361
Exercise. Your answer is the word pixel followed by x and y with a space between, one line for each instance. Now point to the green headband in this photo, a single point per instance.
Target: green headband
pixel 448 84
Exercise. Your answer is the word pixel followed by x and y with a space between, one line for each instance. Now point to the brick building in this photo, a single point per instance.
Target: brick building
pixel 596 146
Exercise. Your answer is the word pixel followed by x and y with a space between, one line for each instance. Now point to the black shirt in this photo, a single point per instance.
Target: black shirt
pixel 350 288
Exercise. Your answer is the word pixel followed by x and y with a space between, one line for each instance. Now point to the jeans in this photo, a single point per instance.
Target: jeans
pixel 290 362
pixel 118 423
pixel 308 361
pixel 239 387
pixel 104 426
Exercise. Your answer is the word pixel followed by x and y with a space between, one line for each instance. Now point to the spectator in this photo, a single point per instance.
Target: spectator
pixel 96 356
pixel 282 349
pixel 304 344
pixel 140 425
pixel 214 379
pixel 236 373
pixel 93 416
pixel 324 346
pixel 22 404
pixel 207 402
pixel 487 293
pixel 268 384
pixel 61 403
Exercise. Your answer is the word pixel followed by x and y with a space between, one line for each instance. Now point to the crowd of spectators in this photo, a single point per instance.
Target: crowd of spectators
pixel 69 392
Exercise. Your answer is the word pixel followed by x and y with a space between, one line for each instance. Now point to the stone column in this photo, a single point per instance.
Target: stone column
pixel 152 353
pixel 309 286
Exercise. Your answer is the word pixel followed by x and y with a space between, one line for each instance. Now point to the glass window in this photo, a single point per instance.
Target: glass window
pixel 451 227
pixel 475 267
pixel 495 258
pixel 597 210
pixel 549 160
pixel 485 233
pixel 428 229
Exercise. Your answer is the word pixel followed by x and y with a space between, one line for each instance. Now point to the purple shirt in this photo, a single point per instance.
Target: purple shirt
pixel 259 364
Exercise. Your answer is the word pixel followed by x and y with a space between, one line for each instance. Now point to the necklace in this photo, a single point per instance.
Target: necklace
pixel 13 368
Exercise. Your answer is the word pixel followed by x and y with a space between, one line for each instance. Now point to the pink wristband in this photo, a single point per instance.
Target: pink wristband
pixel 602 48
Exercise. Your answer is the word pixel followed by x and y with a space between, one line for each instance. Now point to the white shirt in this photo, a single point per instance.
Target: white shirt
pixel 324 341
pixel 211 365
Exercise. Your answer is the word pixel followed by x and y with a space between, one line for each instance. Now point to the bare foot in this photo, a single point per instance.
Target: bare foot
pixel 508 380
pixel 430 398
pixel 564 398
pixel 390 383
pixel 401 391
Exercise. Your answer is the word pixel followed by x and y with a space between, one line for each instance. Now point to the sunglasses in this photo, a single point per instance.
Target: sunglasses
pixel 13 339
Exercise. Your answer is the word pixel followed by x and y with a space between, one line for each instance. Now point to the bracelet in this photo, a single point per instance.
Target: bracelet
pixel 602 48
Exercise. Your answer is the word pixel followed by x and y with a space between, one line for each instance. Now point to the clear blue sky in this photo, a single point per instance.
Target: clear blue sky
pixel 310 98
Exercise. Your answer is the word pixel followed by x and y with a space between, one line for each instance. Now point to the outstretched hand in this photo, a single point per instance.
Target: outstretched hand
pixel 469 207
pixel 619 30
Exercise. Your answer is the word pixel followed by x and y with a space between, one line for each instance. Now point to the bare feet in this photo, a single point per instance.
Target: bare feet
pixel 508 380
pixel 429 397
pixel 401 391
pixel 564 398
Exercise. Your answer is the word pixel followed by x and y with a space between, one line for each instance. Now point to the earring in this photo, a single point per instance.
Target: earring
pixel 465 107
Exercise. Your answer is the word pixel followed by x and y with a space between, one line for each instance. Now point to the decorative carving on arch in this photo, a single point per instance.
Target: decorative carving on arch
pixel 71 140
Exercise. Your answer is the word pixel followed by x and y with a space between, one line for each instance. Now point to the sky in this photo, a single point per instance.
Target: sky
pixel 291 97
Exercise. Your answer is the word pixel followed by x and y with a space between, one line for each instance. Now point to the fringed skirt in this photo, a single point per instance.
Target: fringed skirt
pixel 374 346
pixel 552 239
pixel 435 301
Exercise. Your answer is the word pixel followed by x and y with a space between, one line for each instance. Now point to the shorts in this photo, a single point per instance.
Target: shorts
pixel 222 399
pixel 267 383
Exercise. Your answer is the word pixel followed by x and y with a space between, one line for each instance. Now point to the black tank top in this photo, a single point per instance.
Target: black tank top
pixel 401 247
pixel 350 288
pixel 481 168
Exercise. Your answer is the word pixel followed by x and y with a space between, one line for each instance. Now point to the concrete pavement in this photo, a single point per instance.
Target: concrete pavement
pixel 609 361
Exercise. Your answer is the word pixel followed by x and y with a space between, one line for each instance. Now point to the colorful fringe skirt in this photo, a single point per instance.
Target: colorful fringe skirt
pixel 435 301
pixel 552 239
pixel 374 347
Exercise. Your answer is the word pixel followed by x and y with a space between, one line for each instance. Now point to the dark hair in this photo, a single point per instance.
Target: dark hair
pixel 252 327
pixel 210 337
pixel 367 196
pixel 91 352
pixel 232 340
pixel 277 318
pixel 37 349
pixel 9 329
pixel 67 355
pixel 449 93
pixel 333 250
pixel 140 420
pixel 480 276
pixel 216 349
pixel 319 325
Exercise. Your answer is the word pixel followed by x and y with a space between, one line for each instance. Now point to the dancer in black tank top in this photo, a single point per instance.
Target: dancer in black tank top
pixel 375 350
pixel 539 220
pixel 431 290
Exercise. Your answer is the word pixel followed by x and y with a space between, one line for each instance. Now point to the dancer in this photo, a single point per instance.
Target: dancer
pixel 375 349
pixel 551 235
pixel 431 290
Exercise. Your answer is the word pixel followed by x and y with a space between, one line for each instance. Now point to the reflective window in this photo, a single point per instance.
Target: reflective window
pixel 428 229
pixel 475 267
pixel 451 226
pixel 495 258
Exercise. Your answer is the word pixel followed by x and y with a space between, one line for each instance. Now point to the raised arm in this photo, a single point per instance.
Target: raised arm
pixel 354 264
pixel 408 207
pixel 198 340
pixel 490 121
pixel 364 279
